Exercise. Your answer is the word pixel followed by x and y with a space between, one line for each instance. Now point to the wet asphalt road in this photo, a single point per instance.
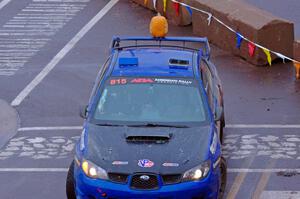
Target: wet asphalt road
pixel 33 161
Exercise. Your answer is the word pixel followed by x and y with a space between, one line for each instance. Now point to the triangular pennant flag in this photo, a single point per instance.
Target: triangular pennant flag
pixel 281 56
pixel 209 19
pixel 145 2
pixel 297 67
pixel 165 6
pixel 251 49
pixel 239 39
pixel 189 9
pixel 268 54
pixel 154 4
pixel 176 7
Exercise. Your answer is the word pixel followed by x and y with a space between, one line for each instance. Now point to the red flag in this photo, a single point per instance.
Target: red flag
pixel 176 7
pixel 251 49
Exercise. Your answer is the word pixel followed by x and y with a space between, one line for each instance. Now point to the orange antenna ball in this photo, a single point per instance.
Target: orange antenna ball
pixel 159 26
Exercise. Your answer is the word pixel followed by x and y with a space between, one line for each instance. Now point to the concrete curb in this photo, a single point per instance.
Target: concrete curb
pixel 9 121
pixel 257 25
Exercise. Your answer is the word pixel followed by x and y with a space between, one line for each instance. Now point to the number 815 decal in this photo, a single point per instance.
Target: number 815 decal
pixel 118 81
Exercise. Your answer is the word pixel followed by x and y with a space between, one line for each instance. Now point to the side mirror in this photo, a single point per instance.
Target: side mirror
pixel 83 112
pixel 218 113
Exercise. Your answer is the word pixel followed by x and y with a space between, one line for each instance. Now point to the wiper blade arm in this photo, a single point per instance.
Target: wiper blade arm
pixel 108 124
pixel 159 125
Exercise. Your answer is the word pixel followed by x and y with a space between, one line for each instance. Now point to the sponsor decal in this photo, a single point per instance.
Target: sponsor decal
pixel 118 81
pixel 141 80
pixel 145 163
pixel 173 81
pixel 119 163
pixel 170 164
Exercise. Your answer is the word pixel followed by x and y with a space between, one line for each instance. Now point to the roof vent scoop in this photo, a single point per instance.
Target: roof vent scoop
pixel 128 61
pixel 178 64
pixel 158 139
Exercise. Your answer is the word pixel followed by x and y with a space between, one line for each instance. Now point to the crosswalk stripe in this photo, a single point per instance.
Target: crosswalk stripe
pixel 280 195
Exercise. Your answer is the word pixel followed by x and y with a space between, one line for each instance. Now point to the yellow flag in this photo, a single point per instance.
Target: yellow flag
pixel 267 52
pixel 297 67
pixel 165 5
pixel 145 2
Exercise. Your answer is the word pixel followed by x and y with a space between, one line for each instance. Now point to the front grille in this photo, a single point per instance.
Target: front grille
pixel 118 177
pixel 144 184
pixel 171 179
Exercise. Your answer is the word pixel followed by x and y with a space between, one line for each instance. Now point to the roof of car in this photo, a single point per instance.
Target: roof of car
pixel 154 62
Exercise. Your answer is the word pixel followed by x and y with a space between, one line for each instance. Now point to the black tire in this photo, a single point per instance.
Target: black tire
pixel 70 183
pixel 222 125
pixel 223 178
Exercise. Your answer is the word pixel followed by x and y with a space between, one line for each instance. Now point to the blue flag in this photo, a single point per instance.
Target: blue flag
pixel 189 10
pixel 239 39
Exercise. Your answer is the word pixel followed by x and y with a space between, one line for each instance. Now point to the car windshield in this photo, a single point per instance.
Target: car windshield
pixel 150 101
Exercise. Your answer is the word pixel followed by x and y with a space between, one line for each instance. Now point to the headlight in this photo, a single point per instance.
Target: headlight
pixel 93 171
pixel 197 173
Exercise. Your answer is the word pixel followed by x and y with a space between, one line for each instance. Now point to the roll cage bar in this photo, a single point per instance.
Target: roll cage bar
pixel 158 42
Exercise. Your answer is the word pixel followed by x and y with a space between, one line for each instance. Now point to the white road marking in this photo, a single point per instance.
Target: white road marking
pixel 243 170
pixel 45 22
pixel 53 128
pixel 4 3
pixel 280 195
pixel 259 126
pixel 69 46
pixel 66 169
pixel 33 169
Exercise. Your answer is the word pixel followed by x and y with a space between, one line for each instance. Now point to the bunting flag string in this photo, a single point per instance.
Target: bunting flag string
pixel 154 4
pixel 251 49
pixel 239 39
pixel 165 6
pixel 297 67
pixel 176 7
pixel 209 19
pixel 268 54
pixel 251 45
pixel 280 56
pixel 189 10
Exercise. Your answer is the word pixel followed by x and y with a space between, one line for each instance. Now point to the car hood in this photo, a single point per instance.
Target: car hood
pixel 182 148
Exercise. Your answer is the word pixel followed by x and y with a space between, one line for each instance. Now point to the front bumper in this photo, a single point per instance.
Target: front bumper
pixel 87 188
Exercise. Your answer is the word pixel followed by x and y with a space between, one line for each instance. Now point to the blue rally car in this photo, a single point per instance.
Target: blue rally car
pixel 154 124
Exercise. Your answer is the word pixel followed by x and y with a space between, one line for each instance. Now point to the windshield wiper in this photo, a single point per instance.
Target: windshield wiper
pixel 108 124
pixel 159 125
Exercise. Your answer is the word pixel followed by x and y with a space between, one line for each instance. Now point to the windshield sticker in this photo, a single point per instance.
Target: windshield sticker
pixel 145 163
pixel 119 163
pixel 141 80
pixel 146 80
pixel 119 81
pixel 168 164
pixel 173 81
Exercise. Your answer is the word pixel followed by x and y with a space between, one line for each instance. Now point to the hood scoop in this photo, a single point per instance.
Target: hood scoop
pixel 156 138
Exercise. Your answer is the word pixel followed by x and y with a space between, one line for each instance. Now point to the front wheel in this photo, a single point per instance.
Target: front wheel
pixel 70 183
pixel 223 178
pixel 220 127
